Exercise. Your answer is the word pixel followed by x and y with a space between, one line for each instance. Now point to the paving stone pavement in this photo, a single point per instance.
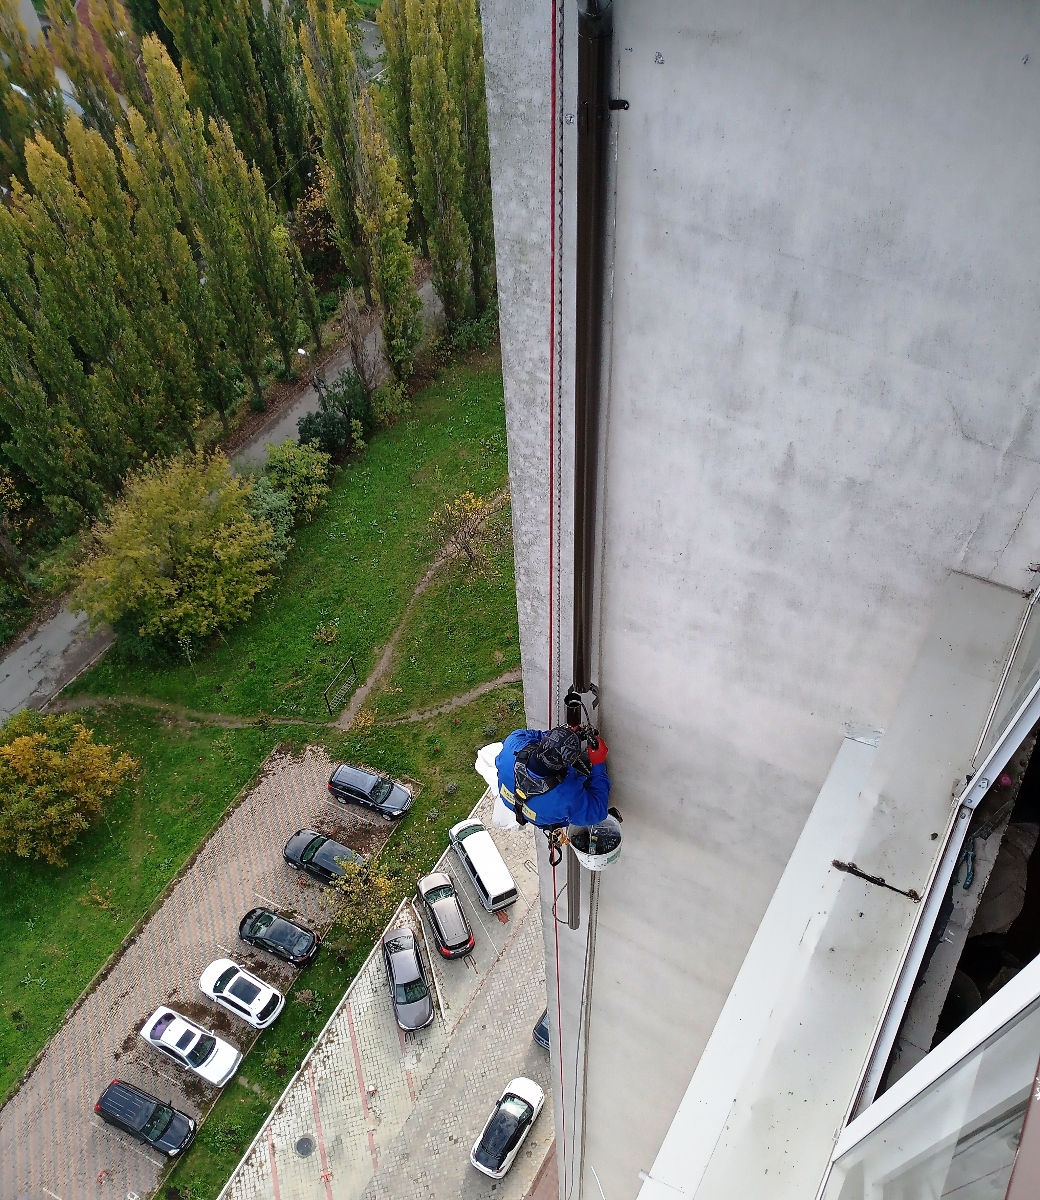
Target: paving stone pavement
pixel 51 1143
pixel 387 1114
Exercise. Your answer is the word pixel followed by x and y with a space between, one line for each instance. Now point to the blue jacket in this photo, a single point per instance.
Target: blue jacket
pixel 574 801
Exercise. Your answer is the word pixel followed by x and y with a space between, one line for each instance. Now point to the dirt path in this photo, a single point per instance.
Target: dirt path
pixel 461 701
pixel 184 716
pixel 357 701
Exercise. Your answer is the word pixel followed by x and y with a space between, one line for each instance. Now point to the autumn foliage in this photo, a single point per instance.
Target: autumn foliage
pixel 54 781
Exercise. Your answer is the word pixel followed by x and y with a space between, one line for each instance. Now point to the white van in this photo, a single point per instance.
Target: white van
pixel 484 865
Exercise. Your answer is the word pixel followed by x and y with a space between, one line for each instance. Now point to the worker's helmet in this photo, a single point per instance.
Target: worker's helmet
pixel 559 748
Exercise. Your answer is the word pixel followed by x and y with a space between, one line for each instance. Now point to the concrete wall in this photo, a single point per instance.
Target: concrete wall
pixel 823 373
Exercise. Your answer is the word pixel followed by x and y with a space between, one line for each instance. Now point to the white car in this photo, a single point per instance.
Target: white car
pixel 234 988
pixel 191 1046
pixel 509 1123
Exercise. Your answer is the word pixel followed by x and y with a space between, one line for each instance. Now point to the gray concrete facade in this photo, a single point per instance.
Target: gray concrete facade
pixel 822 375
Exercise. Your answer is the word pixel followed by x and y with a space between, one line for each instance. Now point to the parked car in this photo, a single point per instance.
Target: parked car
pixel 279 936
pixel 451 930
pixel 354 785
pixel 242 993
pixel 510 1122
pixel 318 855
pixel 482 862
pixel 146 1118
pixel 540 1033
pixel 406 975
pixel 190 1046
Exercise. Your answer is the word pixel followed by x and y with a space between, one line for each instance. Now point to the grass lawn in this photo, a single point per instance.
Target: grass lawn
pixel 353 569
pixel 462 631
pixel 441 755
pixel 59 925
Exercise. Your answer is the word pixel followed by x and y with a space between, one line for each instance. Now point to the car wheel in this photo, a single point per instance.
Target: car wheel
pixel 387 817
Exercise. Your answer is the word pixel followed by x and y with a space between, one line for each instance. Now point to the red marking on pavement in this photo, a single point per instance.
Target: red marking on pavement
pixel 326 1174
pixel 407 1073
pixel 503 917
pixel 361 1087
pixel 274 1168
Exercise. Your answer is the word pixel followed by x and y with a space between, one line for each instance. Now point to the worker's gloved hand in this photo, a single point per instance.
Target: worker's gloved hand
pixel 599 755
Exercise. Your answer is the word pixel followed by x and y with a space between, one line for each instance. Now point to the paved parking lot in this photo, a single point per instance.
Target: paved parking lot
pixel 380 1114
pixel 52 1147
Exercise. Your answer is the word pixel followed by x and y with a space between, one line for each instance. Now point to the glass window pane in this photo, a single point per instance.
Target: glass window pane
pixel 958 1137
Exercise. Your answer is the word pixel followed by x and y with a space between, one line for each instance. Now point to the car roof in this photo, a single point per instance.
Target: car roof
pixel 127 1102
pixel 329 851
pixel 357 777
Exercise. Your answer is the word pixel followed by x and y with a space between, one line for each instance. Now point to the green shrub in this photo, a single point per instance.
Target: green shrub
pixel 300 472
pixel 268 503
pixel 390 402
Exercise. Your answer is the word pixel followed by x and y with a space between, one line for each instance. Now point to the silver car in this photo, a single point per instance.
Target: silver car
pixel 409 989
pixel 451 930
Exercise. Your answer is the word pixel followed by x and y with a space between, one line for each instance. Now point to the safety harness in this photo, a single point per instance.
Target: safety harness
pixel 526 784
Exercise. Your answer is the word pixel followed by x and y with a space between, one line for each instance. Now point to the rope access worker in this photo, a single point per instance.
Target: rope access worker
pixel 539 781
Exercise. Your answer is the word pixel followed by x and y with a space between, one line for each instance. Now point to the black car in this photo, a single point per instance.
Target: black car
pixel 146 1118
pixel 284 939
pixel 352 785
pixel 540 1033
pixel 451 930
pixel 318 855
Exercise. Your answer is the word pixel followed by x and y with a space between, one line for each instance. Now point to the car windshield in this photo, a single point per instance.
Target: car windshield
pixel 440 893
pixel 506 1128
pixel 224 979
pixel 204 1047
pixel 409 993
pixel 380 792
pixel 312 848
pixel 468 831
pixel 161 1026
pixel 158 1122
pixel 268 1009
pixel 298 941
pixel 261 923
pixel 244 989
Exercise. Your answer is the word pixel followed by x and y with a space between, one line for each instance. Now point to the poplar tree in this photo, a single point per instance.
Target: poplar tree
pixel 396 90
pixel 382 208
pixel 157 222
pixel 76 278
pixel 439 176
pixel 15 127
pixel 123 49
pixel 207 211
pixel 247 206
pixel 153 365
pixel 220 72
pixel 28 66
pixel 44 441
pixel 277 52
pixel 328 37
pixel 308 297
pixel 465 64
pixel 74 51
